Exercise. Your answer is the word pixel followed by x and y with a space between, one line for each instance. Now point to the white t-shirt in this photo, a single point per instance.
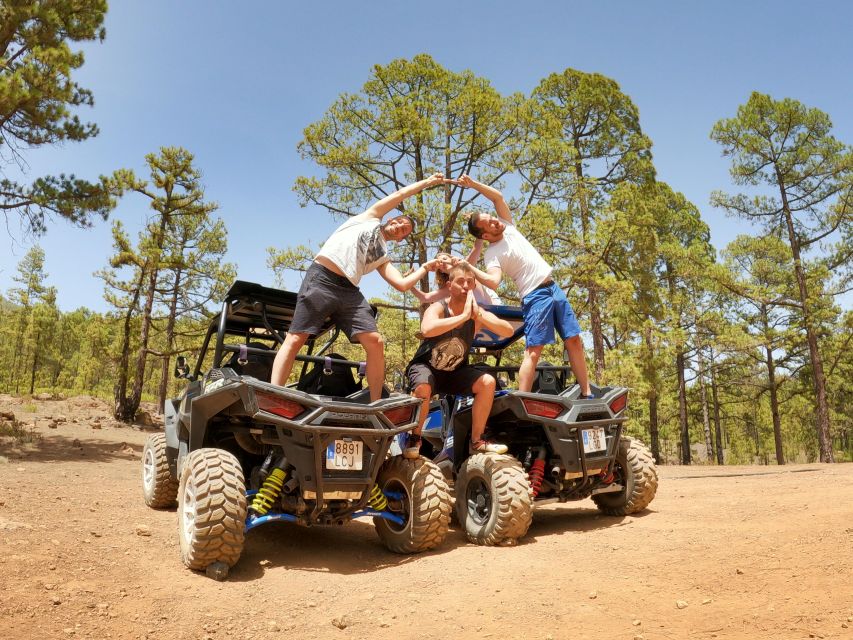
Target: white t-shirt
pixel 356 247
pixel 518 259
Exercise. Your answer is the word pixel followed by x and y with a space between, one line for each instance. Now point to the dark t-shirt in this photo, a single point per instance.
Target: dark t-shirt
pixel 449 350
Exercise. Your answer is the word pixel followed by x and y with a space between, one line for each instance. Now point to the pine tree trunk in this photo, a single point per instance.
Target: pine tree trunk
pixel 170 338
pixel 35 364
pixel 706 422
pixel 652 380
pixel 122 405
pixel 682 409
pixel 818 378
pixel 715 403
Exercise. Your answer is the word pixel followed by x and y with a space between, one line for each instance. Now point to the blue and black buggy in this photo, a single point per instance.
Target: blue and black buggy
pixel 239 452
pixel 561 448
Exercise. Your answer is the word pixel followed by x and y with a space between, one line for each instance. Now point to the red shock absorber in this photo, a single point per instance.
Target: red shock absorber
pixel 536 474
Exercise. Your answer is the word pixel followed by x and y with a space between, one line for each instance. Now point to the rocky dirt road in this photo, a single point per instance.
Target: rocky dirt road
pixel 734 552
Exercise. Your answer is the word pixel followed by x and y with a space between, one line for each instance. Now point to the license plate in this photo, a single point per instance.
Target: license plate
pixel 594 440
pixel 344 455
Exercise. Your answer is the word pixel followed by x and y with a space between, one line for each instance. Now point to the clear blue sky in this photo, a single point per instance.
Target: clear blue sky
pixel 236 83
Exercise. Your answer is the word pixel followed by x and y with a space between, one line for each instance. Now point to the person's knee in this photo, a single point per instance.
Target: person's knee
pixel 574 342
pixel 422 391
pixel 486 384
pixel 372 341
pixel 533 355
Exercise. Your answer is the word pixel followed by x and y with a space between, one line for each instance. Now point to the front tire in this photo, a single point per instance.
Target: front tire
pixel 211 509
pixel 634 468
pixel 493 500
pixel 425 505
pixel 159 488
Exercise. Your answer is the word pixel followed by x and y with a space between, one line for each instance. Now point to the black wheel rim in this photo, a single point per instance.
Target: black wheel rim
pixel 479 500
pixel 400 508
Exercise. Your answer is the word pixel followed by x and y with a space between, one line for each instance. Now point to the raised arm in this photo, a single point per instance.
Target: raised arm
pixel 379 209
pixel 403 283
pixel 497 198
pixel 492 323
pixel 491 278
pixel 432 296
pixel 476 250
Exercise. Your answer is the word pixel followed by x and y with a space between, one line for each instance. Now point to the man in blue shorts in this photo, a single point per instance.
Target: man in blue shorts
pixel 543 303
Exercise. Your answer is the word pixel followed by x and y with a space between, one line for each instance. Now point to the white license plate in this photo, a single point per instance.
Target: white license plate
pixel 344 455
pixel 594 440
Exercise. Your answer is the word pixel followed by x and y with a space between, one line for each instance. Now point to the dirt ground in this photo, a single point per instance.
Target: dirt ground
pixel 734 552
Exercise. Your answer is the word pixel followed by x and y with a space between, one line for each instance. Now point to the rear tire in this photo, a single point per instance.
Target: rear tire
pixel 425 506
pixel 211 509
pixel 159 488
pixel 493 500
pixel 635 469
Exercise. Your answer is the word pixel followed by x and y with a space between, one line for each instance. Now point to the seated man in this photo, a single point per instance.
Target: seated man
pixel 440 364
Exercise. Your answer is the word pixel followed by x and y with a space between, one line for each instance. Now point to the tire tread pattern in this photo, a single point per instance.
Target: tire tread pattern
pixel 512 497
pixel 641 465
pixel 220 517
pixel 429 505
pixel 165 493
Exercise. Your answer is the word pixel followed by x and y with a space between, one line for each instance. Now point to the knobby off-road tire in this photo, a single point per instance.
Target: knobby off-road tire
pixel 635 469
pixel 493 500
pixel 426 505
pixel 159 488
pixel 211 509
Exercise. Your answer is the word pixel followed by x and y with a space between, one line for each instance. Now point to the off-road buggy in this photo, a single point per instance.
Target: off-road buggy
pixel 238 452
pixel 561 448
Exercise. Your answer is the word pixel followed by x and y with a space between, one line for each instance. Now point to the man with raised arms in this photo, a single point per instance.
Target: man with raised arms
pixel 330 287
pixel 544 304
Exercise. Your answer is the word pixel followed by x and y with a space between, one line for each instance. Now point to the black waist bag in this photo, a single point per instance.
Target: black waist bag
pixel 335 380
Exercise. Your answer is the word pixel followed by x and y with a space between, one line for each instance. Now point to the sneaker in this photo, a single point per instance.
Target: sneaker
pixel 484 446
pixel 413 447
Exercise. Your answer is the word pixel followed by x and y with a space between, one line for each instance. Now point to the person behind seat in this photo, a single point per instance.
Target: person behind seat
pixel 440 365
pixel 544 304
pixel 482 294
pixel 330 287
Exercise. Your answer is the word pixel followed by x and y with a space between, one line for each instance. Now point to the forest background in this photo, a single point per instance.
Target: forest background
pixel 736 354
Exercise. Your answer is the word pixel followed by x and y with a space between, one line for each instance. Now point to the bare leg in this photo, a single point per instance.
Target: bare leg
pixel 374 348
pixel 574 347
pixel 484 396
pixel 285 357
pixel 424 392
pixel 527 370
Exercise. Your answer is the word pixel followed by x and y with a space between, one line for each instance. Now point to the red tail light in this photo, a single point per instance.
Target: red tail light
pixel 400 415
pixel 544 409
pixel 619 403
pixel 279 406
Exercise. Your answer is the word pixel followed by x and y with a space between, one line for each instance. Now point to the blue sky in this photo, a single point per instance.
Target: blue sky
pixel 236 83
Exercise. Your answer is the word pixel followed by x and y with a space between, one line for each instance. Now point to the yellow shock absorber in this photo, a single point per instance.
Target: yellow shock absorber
pixel 268 493
pixel 377 499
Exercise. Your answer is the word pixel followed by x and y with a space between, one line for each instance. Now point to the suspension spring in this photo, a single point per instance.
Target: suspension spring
pixel 536 474
pixel 268 493
pixel 377 499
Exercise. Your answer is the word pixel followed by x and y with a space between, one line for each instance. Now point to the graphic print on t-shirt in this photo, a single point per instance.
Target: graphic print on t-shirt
pixel 370 246
pixel 447 354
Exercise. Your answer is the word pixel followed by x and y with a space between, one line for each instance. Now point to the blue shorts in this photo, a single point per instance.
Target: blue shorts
pixel 545 309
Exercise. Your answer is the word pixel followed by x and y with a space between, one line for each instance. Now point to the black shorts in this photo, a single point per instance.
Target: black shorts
pixel 324 293
pixel 458 382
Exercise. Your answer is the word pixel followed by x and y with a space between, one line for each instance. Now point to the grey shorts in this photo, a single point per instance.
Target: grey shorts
pixel 458 382
pixel 323 294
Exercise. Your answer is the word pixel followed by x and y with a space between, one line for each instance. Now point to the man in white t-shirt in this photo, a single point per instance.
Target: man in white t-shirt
pixel 330 287
pixel 543 303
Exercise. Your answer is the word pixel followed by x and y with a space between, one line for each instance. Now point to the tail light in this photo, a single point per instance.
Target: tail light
pixel 279 406
pixel 619 403
pixel 400 415
pixel 543 409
